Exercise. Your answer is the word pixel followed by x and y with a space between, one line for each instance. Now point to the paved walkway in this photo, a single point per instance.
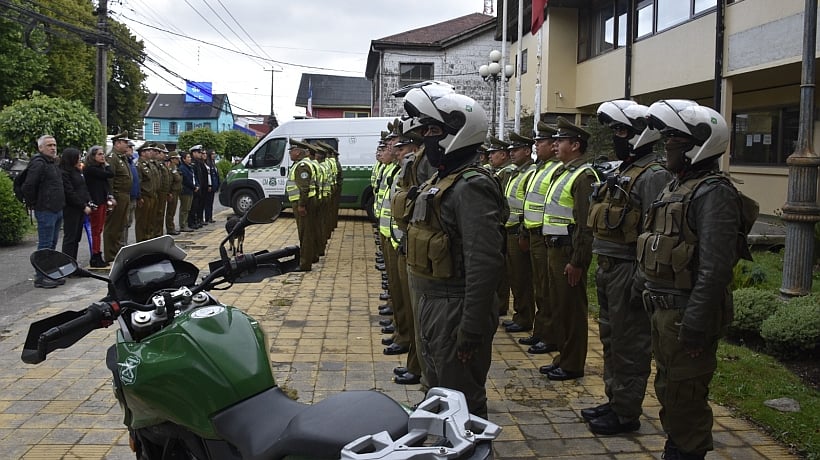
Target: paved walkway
pixel 324 338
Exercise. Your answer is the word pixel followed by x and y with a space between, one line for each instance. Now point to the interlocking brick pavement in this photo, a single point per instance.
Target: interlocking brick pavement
pixel 324 338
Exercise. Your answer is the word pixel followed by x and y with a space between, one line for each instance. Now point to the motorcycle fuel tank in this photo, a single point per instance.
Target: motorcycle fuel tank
pixel 208 359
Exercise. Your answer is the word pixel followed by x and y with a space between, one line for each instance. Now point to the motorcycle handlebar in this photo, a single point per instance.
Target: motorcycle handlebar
pixel 52 333
pixel 243 263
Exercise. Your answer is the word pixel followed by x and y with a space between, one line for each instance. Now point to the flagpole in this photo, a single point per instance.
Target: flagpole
pixel 310 99
pixel 518 62
pixel 537 112
pixel 504 59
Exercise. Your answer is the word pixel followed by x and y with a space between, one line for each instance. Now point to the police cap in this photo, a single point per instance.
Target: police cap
pixel 544 131
pixel 569 130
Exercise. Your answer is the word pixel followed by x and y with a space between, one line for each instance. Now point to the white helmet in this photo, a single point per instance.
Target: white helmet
pixel 703 125
pixel 632 116
pixel 440 85
pixel 463 120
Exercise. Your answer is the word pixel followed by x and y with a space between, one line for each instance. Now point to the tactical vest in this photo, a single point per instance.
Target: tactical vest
pixel 559 201
pixel 613 214
pixel 537 193
pixel 292 188
pixel 515 192
pixel 429 251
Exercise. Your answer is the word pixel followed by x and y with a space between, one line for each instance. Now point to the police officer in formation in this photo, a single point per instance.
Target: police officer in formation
pixel 174 191
pixel 693 237
pixel 302 190
pixel 616 217
pixel 120 184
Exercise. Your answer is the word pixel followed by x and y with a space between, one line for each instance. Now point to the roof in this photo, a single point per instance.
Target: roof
pixel 173 106
pixel 334 91
pixel 436 36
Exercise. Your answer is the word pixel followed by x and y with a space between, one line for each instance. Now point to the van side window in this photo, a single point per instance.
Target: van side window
pixel 270 154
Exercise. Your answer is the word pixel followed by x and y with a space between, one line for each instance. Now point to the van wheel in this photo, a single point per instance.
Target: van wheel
pixel 242 201
pixel 368 207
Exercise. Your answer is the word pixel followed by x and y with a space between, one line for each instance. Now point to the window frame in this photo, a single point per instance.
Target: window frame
pixel 156 128
pixel 173 128
pixel 421 75
pixel 781 135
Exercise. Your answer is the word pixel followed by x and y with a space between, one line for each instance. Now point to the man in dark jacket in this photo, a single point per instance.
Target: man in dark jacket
pixel 43 191
pixel 187 194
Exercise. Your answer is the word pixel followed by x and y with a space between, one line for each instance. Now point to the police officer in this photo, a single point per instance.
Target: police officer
pixel 687 252
pixel 302 194
pixel 174 192
pixel 569 248
pixel 545 333
pixel 145 213
pixel 163 175
pixel 519 270
pixel 502 167
pixel 616 218
pixel 454 246
pixel 121 190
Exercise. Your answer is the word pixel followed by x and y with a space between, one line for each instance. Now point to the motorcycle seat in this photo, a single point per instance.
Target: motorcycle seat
pixel 267 427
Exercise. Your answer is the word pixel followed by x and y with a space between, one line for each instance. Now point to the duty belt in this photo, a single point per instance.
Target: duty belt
pixel 557 241
pixel 607 262
pixel 652 301
pixel 534 230
pixel 514 230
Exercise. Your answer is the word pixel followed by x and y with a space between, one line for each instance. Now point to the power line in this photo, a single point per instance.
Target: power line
pixel 236 51
pixel 243 29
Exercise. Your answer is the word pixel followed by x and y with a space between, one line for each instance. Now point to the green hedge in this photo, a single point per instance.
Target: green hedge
pixel 14 219
pixel 752 307
pixel 794 328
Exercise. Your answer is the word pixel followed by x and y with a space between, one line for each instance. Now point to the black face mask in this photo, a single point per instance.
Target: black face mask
pixel 433 151
pixel 622 147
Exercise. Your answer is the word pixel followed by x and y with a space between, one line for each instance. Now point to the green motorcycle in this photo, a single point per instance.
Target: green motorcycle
pixel 194 379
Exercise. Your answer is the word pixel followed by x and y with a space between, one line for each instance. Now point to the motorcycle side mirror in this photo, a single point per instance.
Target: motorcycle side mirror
pixel 264 211
pixel 53 264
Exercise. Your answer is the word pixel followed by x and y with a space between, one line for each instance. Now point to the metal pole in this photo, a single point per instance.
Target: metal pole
pixel 101 77
pixel 495 106
pixel 801 211
pixel 504 60
pixel 518 62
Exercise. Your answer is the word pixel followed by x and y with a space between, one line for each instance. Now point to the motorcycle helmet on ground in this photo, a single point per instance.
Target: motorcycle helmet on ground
pixel 702 126
pixel 462 120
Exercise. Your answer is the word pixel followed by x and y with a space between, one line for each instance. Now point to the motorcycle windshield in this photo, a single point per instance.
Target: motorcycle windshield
pixel 160 245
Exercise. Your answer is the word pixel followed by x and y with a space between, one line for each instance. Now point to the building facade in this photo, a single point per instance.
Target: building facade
pixel 168 115
pixel 742 57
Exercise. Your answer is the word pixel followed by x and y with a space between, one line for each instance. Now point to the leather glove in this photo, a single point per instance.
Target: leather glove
pixel 466 344
pixel 692 341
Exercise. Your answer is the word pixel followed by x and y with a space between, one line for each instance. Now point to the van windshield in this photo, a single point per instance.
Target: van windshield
pixel 270 153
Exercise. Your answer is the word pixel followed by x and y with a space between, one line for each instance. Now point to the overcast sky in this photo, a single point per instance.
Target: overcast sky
pixel 311 36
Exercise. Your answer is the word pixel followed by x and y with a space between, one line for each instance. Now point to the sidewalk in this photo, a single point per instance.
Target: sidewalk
pixel 324 338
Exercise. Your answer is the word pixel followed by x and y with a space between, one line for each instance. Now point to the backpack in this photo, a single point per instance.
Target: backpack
pixel 19 181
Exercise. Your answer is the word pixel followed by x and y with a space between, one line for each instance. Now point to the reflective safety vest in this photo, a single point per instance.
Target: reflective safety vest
pixel 515 191
pixel 292 188
pixel 537 193
pixel 558 208
pixel 385 215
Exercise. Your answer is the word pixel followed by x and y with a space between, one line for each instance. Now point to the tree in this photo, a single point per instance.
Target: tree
pixel 70 122
pixel 20 65
pixel 202 136
pixel 127 94
pixel 236 143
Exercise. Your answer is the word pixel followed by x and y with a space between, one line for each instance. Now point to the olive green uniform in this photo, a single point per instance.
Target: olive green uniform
pixel 694 227
pixel 519 270
pixel 175 189
pixel 569 242
pixel 301 190
pixel 121 191
pixel 163 175
pixel 616 220
pixel 454 245
pixel 144 214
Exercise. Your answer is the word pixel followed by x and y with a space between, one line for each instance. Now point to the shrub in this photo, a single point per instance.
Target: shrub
pixel 13 216
pixel 746 274
pixel 223 166
pixel 794 328
pixel 752 307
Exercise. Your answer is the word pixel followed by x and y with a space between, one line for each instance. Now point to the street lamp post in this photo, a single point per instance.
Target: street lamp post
pixel 491 73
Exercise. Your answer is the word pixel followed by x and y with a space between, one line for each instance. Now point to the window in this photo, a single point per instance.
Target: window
pixel 671 12
pixel 414 73
pixel 270 154
pixel 172 128
pixel 764 137
pixel 351 114
pixel 189 126
pixel 523 62
pixel 602 26
pixel 155 128
pixel 206 125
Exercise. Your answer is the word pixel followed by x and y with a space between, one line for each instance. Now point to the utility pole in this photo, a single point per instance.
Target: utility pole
pixel 272 119
pixel 801 212
pixel 101 79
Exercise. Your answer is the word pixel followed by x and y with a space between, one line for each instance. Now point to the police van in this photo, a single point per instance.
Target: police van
pixel 263 172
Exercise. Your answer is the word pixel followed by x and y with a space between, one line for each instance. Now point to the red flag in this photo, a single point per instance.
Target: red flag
pixel 537 15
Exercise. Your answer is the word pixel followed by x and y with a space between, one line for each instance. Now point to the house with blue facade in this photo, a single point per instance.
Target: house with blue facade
pixel 167 115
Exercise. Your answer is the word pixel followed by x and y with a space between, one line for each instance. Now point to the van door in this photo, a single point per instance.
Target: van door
pixel 268 166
